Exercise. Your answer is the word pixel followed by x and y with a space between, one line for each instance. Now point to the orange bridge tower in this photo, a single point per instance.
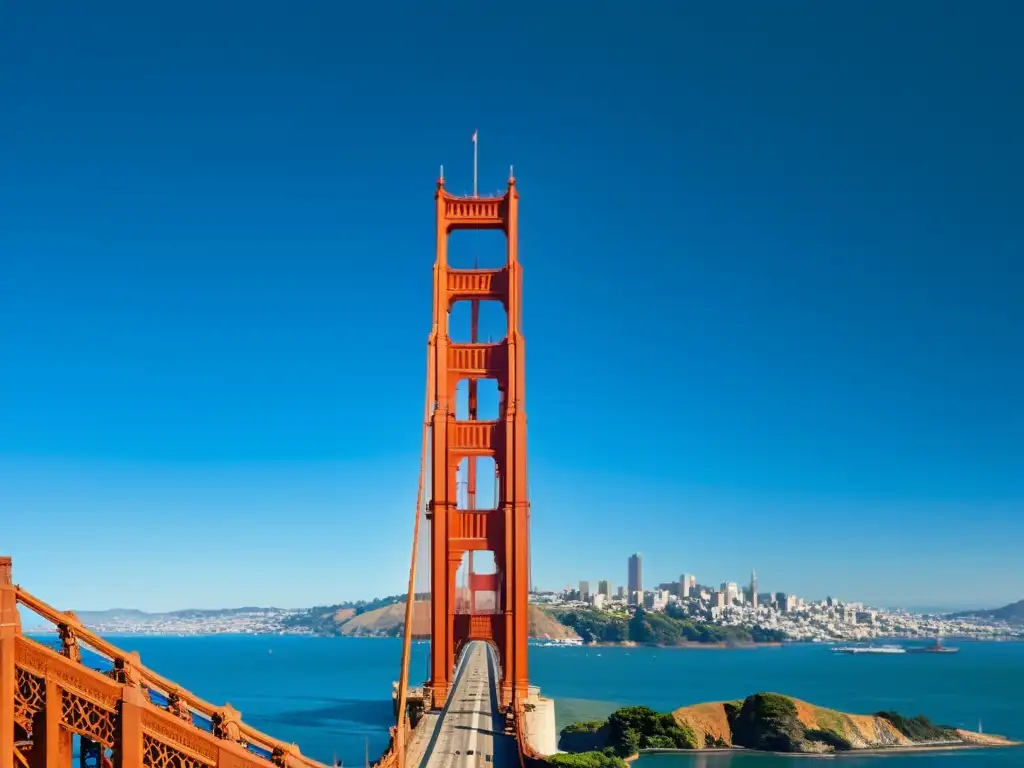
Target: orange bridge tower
pixel 454 530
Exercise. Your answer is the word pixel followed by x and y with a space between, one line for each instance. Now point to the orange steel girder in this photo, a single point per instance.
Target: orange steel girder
pixel 503 530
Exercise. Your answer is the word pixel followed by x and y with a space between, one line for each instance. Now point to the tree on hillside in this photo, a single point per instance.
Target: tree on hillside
pixel 639 629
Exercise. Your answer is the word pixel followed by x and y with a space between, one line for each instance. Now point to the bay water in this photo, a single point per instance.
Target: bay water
pixel 332 696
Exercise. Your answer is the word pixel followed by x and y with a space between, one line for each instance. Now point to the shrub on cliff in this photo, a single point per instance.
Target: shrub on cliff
pixel 633 728
pixel 586 736
pixel 920 728
pixel 585 726
pixel 585 760
pixel 626 743
pixel 769 722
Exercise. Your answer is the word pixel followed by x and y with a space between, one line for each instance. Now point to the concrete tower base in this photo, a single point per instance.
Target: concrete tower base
pixel 539 723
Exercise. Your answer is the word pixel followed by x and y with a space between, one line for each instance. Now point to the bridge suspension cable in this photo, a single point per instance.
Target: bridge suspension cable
pixel 403 678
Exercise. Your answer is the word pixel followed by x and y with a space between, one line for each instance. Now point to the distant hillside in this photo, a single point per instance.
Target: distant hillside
pixel 380 617
pixel 91 618
pixel 315 619
pixel 1011 614
pixel 184 613
pixel 118 614
pixel 327 619
pixel 388 621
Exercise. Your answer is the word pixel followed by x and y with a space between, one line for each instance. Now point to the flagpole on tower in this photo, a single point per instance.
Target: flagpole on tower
pixel 474 161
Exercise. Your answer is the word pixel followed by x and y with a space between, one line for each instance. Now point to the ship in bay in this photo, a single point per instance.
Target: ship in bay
pixel 936 647
pixel 859 649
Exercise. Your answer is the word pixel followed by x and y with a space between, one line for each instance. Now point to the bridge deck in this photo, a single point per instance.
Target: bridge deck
pixel 469 731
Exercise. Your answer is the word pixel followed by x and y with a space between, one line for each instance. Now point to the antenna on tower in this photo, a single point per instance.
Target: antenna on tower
pixel 474 161
pixel 442 173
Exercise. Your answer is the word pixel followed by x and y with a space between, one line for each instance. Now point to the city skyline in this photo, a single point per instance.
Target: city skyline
pixel 714 584
pixel 771 317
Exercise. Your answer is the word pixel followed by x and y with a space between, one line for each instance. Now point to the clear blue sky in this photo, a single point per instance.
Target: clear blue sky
pixel 773 277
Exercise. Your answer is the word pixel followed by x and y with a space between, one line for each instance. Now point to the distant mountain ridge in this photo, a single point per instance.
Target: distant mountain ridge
pixel 134 614
pixel 187 620
pixel 380 617
pixel 249 619
pixel 122 614
pixel 389 621
pixel 1011 614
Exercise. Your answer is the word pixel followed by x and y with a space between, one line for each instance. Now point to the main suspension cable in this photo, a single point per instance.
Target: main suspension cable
pixel 403 679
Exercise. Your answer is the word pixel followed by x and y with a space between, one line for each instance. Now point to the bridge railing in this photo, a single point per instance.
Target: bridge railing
pixel 40 664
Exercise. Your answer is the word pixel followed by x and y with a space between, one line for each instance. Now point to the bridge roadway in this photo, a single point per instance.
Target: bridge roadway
pixel 470 730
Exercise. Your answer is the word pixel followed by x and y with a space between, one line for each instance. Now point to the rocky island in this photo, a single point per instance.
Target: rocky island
pixel 766 722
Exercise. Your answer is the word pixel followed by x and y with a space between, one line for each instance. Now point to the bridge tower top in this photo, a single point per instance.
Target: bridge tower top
pixel 498 212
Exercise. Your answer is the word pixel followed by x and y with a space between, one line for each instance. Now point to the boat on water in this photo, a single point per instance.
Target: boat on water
pixel 936 647
pixel 566 642
pixel 859 649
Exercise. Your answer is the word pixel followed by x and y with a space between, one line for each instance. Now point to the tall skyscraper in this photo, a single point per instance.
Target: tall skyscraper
pixel 603 589
pixel 584 591
pixel 684 586
pixel 753 588
pixel 636 581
